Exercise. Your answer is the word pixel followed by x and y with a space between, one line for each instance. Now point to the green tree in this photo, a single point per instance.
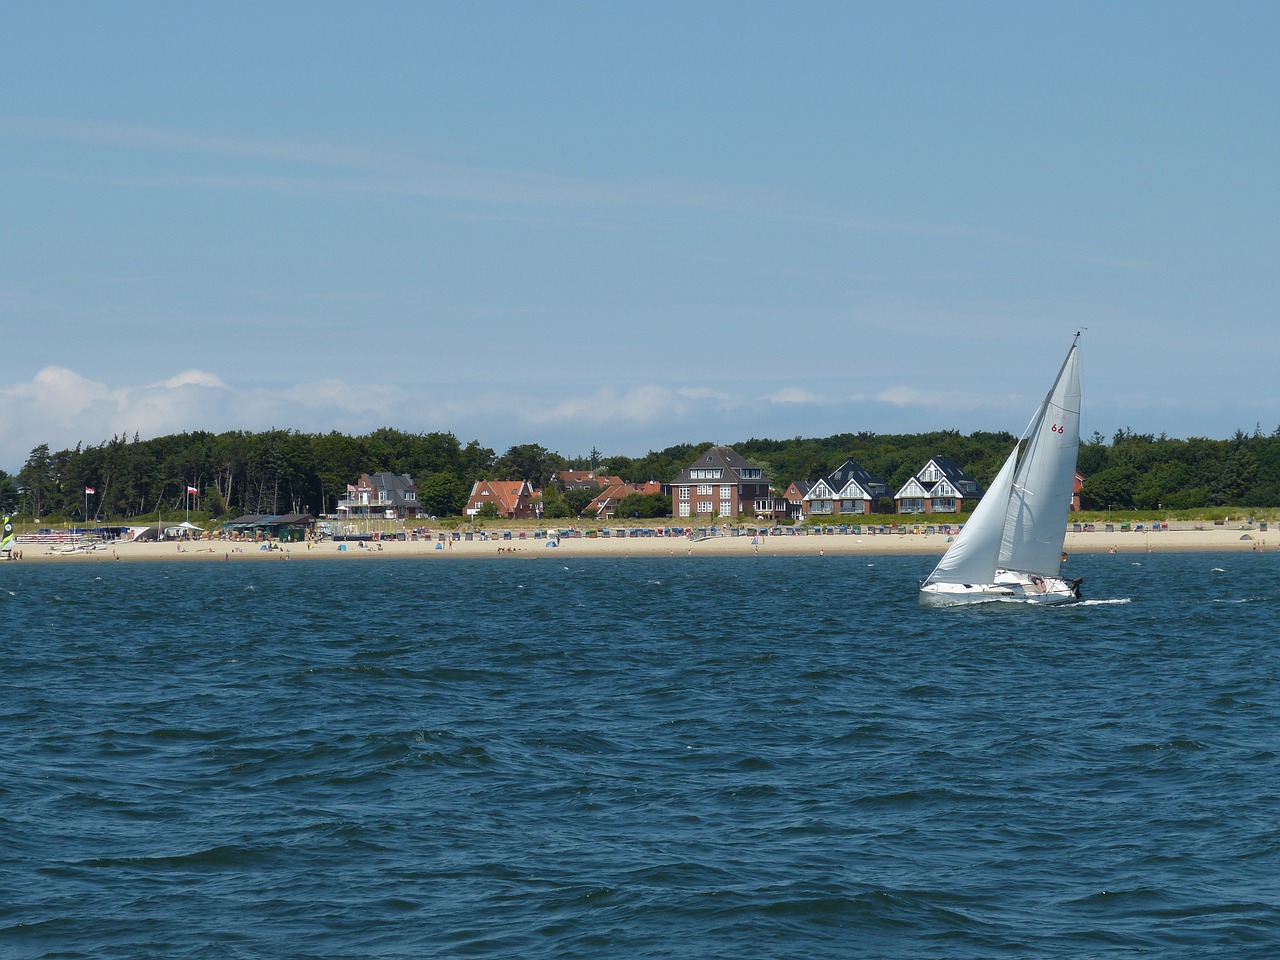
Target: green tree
pixel 1110 488
pixel 36 479
pixel 8 493
pixel 442 495
pixel 579 499
pixel 554 506
pixel 643 506
pixel 529 461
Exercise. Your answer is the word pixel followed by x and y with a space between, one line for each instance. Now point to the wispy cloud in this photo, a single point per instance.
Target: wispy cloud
pixel 63 408
pixel 294 166
pixel 902 395
pixel 794 395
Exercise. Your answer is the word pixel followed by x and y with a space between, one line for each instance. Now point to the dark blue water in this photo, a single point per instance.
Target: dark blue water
pixel 755 757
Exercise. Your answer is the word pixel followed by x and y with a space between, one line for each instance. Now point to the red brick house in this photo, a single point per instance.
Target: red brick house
pixel 515 499
pixel 720 483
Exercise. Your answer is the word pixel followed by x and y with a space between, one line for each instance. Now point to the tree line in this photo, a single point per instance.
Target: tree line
pixel 286 471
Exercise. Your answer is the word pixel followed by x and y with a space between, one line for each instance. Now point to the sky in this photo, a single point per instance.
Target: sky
pixel 622 227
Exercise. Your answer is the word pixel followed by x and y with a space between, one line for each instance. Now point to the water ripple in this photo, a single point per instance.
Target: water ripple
pixel 780 757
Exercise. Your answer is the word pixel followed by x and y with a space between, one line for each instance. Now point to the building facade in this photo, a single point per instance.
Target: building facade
pixel 513 499
pixel 720 483
pixel 383 496
pixel 849 490
pixel 941 486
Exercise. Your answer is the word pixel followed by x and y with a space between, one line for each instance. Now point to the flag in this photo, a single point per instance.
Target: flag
pixel 193 491
pixel 351 488
pixel 90 490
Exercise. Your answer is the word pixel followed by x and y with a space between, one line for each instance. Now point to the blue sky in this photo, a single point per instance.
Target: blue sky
pixel 584 224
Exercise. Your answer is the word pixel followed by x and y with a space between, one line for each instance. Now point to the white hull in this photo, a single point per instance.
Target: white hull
pixel 1009 587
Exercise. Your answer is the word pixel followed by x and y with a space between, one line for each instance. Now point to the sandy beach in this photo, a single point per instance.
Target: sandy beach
pixel 1233 537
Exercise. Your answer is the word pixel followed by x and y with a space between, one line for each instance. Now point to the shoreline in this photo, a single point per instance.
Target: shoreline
pixel 1234 539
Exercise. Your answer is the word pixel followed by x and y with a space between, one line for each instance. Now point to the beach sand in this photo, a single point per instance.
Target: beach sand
pixel 1232 537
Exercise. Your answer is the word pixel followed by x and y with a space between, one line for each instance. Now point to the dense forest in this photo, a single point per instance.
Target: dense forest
pixel 284 471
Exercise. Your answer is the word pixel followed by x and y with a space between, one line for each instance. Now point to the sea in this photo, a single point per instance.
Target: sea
pixel 543 757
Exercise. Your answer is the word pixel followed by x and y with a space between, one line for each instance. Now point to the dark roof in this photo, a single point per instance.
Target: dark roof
pixel 393 486
pixel 251 520
pixel 849 470
pixel 724 458
pixel 956 474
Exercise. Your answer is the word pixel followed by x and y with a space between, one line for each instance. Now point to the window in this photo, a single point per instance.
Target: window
pixel 911 505
pixel 851 506
pixel 684 495
pixel 725 510
pixel 726 493
pixel 944 504
pixel 705 489
pixel 684 509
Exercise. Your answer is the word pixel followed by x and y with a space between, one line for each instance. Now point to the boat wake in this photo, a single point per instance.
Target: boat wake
pixel 1103 603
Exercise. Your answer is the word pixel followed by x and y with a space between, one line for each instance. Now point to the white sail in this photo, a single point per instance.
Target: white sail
pixel 1040 503
pixel 972 558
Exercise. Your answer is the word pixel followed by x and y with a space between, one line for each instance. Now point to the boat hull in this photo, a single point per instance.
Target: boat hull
pixel 1008 587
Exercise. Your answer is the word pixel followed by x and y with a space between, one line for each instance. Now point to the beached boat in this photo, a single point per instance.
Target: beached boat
pixel 1011 548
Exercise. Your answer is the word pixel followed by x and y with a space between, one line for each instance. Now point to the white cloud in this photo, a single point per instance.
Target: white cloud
pixel 196 378
pixel 63 408
pixel 949 400
pixel 641 405
pixel 901 396
pixel 794 395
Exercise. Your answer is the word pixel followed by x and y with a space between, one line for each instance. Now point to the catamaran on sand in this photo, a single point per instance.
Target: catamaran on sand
pixel 1011 548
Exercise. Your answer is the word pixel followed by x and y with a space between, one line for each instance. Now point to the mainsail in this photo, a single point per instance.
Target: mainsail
pixel 6 542
pixel 1041 499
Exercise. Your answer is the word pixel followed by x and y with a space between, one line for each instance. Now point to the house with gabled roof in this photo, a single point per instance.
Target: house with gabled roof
pixel 390 496
pixel 941 486
pixel 794 496
pixel 720 483
pixel 514 499
pixel 605 505
pixel 849 490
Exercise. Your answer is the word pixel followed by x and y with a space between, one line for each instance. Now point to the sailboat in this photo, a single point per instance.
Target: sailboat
pixel 1011 548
